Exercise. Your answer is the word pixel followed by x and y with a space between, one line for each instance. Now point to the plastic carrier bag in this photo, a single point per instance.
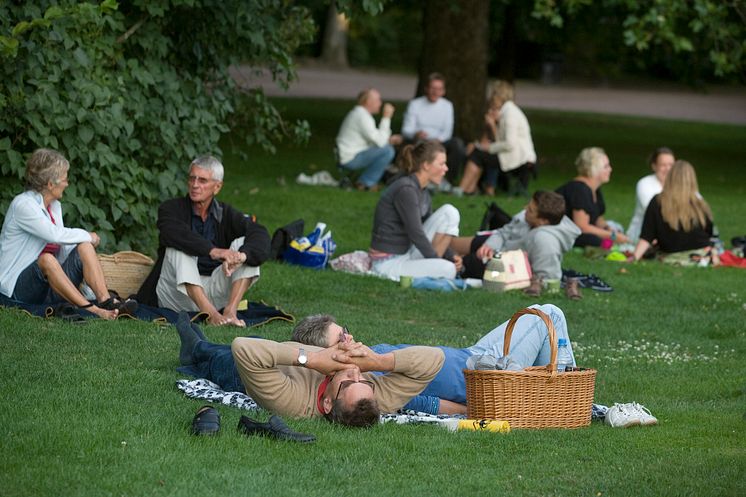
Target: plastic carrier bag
pixel 313 250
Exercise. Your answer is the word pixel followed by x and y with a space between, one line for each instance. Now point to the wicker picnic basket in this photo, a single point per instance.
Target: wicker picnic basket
pixel 125 271
pixel 538 396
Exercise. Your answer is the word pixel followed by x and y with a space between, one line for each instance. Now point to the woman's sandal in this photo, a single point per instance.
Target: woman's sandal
pixel 116 303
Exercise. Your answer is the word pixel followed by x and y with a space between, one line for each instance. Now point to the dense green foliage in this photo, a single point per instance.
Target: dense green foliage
pixel 131 93
pixel 92 409
pixel 694 42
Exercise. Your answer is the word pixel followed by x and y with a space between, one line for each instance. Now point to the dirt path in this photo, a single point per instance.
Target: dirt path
pixel 717 106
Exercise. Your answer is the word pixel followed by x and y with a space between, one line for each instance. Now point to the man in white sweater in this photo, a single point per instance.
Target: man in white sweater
pixel 430 117
pixel 362 145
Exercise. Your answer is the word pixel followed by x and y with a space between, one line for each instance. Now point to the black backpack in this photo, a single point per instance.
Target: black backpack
pixel 494 218
pixel 282 237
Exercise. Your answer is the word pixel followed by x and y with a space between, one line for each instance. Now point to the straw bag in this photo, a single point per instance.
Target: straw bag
pixel 538 396
pixel 125 271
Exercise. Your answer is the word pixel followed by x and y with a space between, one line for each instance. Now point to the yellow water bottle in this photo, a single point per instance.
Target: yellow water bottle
pixel 492 425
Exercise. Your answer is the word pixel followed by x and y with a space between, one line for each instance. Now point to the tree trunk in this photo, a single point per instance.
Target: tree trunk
pixel 455 44
pixel 334 45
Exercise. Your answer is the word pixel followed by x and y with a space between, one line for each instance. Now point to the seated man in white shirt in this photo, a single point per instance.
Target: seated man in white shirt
pixel 430 117
pixel 362 145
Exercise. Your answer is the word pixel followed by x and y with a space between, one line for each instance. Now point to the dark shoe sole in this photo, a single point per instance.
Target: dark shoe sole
pixel 206 422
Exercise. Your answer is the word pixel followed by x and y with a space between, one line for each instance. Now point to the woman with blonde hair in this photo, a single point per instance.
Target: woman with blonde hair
pixel 409 239
pixel 584 202
pixel 677 219
pixel 506 149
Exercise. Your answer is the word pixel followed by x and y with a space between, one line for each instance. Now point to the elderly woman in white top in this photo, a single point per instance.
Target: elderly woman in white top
pixel 661 161
pixel 41 261
pixel 513 145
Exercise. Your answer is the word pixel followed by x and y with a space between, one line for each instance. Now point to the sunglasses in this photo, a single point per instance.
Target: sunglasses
pixel 346 383
pixel 343 334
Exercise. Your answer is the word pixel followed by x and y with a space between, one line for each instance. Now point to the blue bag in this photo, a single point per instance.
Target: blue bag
pixel 313 250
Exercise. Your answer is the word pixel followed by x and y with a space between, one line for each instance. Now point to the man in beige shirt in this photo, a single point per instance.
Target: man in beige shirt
pixel 304 381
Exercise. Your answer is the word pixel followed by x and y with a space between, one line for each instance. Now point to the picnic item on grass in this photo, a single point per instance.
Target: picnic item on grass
pixel 125 271
pixel 313 250
pixel 507 270
pixel 538 396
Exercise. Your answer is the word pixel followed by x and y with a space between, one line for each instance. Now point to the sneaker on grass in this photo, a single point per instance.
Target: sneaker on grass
pixel 646 419
pixel 622 416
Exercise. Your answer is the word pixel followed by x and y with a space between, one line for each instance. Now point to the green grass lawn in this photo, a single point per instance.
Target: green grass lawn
pixel 92 409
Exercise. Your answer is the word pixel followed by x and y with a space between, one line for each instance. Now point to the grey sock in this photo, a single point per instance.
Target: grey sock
pixel 188 337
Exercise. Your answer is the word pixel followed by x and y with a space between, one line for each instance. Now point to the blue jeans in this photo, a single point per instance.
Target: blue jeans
pixel 374 160
pixel 529 344
pixel 33 288
pixel 215 362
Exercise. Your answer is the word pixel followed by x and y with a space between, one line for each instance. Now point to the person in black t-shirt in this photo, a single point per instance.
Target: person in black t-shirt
pixel 584 202
pixel 678 218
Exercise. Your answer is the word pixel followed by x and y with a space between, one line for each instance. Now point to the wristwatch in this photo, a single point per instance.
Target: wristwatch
pixel 302 357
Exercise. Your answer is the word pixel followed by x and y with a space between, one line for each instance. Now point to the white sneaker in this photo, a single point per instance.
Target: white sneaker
pixel 622 416
pixel 646 419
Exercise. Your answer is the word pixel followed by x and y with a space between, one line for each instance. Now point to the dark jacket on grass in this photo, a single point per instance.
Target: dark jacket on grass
pixel 175 231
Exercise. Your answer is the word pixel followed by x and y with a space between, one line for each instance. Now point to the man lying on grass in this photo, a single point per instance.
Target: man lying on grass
pixel 305 381
pixel 334 348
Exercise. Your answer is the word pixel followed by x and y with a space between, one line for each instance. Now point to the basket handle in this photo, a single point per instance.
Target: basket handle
pixel 552 366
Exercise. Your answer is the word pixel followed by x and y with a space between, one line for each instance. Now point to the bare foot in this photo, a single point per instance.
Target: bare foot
pixel 225 320
pixel 103 313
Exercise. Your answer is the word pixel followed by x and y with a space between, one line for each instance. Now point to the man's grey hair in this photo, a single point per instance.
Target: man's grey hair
pixel 209 163
pixel 312 330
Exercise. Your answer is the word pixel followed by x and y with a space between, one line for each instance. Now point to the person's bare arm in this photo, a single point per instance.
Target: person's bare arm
pixel 448 407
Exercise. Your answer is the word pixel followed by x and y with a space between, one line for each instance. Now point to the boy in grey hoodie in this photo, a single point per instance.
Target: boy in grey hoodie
pixel 541 229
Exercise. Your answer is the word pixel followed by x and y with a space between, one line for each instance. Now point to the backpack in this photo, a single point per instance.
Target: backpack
pixel 282 237
pixel 494 218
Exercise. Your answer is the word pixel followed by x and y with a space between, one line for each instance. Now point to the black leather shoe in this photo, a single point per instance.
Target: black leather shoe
pixel 275 427
pixel 206 421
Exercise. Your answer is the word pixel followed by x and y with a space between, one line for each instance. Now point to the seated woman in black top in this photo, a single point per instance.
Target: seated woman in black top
pixel 584 202
pixel 678 218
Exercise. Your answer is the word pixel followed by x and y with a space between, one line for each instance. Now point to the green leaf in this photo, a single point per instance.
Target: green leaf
pixel 53 12
pixel 5 143
pixel 85 133
pixel 81 57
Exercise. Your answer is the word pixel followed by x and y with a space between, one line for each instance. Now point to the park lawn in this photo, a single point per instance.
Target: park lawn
pixel 92 409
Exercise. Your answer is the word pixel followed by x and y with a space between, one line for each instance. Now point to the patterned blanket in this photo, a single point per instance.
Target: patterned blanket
pixel 209 391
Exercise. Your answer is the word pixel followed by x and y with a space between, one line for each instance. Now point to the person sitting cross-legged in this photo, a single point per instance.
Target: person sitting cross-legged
pixel 209 253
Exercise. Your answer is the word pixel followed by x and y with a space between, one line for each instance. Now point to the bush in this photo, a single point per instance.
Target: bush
pixel 131 95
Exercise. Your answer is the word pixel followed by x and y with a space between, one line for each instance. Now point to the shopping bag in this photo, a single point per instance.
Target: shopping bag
pixel 507 270
pixel 313 250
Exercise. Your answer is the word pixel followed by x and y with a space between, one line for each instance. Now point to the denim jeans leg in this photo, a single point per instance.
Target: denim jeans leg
pixel 374 160
pixel 529 344
pixel 31 286
pixel 215 363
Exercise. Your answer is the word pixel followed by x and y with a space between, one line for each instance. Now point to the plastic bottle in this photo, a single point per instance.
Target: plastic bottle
pixel 491 425
pixel 564 358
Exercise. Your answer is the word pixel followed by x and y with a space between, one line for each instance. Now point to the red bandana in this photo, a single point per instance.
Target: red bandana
pixel 322 391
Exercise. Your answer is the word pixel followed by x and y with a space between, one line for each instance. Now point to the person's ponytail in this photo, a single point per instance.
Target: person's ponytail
pixel 406 161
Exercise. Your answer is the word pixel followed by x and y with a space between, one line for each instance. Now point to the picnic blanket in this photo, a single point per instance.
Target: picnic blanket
pixel 206 390
pixel 255 314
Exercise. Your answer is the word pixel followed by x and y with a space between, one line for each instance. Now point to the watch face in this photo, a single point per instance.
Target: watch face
pixel 302 357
